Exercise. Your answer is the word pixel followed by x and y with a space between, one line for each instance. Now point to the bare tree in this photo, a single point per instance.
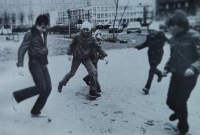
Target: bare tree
pixel 21 17
pixel 116 12
pixel 6 17
pixel 30 17
pixel 13 17
pixel 1 19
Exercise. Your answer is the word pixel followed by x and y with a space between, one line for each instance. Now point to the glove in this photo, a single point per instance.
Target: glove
pixel 106 60
pixel 165 72
pixel 70 57
pixel 19 64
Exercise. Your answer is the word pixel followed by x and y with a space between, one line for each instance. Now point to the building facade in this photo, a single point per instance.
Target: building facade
pixel 106 13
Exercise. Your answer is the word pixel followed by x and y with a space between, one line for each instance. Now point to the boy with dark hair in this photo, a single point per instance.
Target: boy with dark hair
pixel 184 64
pixel 34 42
pixel 155 41
pixel 80 48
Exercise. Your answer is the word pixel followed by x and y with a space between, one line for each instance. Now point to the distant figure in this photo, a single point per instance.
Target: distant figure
pixel 184 64
pixel 155 41
pixel 80 48
pixel 94 57
pixel 34 42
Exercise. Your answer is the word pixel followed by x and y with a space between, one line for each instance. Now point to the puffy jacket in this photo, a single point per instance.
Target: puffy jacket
pixel 155 45
pixel 185 53
pixel 82 46
pixel 36 46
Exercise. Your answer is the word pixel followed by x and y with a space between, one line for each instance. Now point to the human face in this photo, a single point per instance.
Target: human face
pixel 175 29
pixel 153 32
pixel 41 28
pixel 85 31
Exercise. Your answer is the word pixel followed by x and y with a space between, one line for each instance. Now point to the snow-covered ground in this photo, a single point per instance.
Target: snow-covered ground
pixel 122 109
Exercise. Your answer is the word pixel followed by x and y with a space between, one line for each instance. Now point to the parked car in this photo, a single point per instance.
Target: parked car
pixel 5 29
pixel 133 27
pixel 99 25
pixel 117 28
pixel 106 25
pixel 194 24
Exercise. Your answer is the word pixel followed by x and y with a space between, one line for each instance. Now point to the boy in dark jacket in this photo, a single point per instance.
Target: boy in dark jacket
pixel 184 64
pixel 35 42
pixel 94 57
pixel 80 48
pixel 155 41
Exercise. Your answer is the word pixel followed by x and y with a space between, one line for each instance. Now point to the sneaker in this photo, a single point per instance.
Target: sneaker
pixel 183 127
pixel 60 87
pixel 86 81
pixel 94 93
pixel 146 90
pixel 38 115
pixel 173 117
pixel 14 102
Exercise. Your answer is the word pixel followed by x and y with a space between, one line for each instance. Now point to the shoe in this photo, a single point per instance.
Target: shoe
pixel 60 87
pixel 99 90
pixel 146 90
pixel 14 102
pixel 159 78
pixel 183 127
pixel 86 81
pixel 173 117
pixel 94 93
pixel 38 115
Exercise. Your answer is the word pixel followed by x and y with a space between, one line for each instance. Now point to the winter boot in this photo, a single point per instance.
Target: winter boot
pixel 173 117
pixel 183 127
pixel 94 93
pixel 86 81
pixel 146 90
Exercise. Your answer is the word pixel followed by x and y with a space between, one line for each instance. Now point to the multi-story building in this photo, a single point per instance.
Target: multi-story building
pixel 166 7
pixel 106 13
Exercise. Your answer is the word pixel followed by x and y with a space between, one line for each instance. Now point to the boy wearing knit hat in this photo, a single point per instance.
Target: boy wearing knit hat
pixel 184 64
pixel 155 41
pixel 80 48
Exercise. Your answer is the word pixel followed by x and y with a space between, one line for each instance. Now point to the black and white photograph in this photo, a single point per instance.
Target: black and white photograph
pixel 99 67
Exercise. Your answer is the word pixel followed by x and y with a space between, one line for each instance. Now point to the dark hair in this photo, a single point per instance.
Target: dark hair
pixel 42 19
pixel 179 18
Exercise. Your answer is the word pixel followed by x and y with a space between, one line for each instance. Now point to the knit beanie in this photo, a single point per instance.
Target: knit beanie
pixel 154 26
pixel 86 24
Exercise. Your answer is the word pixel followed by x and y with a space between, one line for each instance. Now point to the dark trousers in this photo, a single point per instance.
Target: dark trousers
pixel 42 86
pixel 153 70
pixel 88 77
pixel 90 68
pixel 179 91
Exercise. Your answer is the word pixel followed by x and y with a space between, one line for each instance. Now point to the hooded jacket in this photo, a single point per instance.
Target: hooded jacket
pixel 36 46
pixel 185 53
pixel 81 47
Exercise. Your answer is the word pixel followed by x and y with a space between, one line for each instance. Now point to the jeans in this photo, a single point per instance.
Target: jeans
pixel 87 77
pixel 90 68
pixel 153 70
pixel 42 86
pixel 179 91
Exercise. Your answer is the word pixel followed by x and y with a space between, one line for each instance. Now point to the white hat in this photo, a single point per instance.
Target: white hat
pixel 86 24
pixel 154 26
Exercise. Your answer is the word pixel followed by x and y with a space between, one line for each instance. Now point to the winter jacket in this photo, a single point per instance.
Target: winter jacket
pixel 185 53
pixel 36 46
pixel 81 47
pixel 155 45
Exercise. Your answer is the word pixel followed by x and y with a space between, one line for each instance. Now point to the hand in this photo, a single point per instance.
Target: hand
pixel 106 60
pixel 164 73
pixel 70 57
pixel 19 64
pixel 189 72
